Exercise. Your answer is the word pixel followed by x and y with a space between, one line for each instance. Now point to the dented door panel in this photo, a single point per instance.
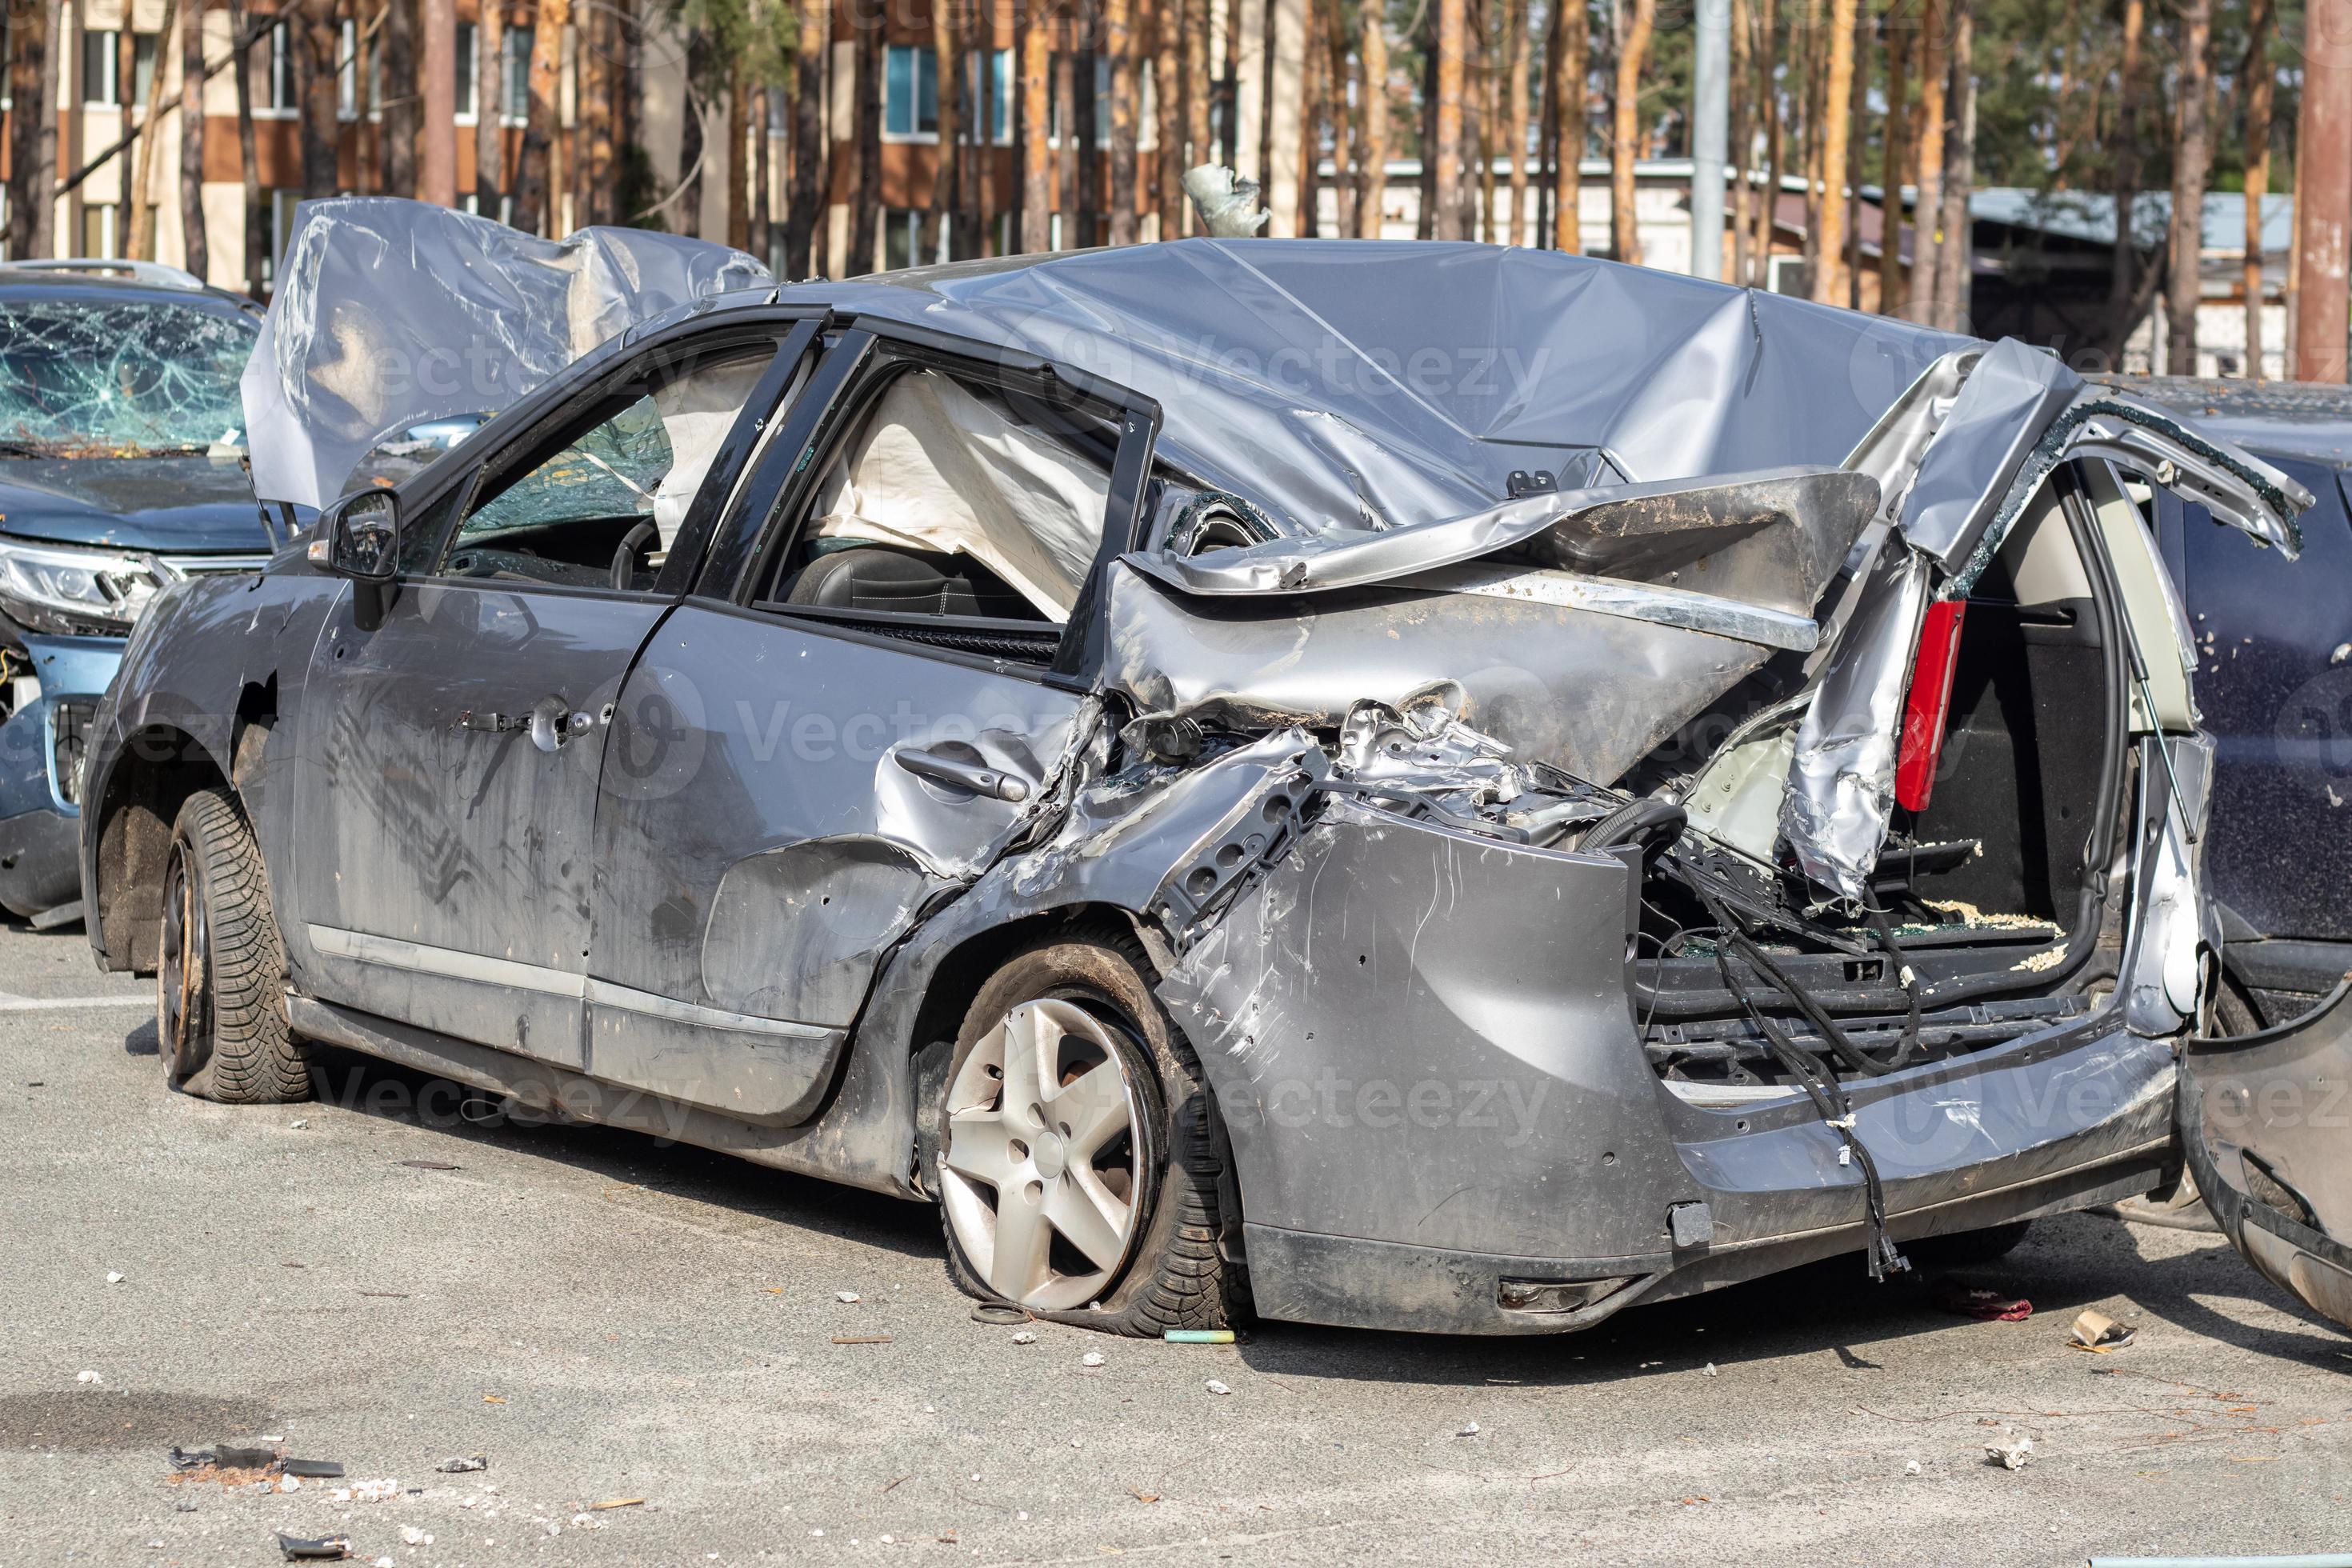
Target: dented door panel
pixel 762 843
pixel 2265 1121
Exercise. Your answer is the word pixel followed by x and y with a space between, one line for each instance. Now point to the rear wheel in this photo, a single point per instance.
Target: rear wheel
pixel 1080 1161
pixel 220 979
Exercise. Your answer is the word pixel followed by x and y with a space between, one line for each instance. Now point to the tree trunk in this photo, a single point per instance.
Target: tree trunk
pixel 1119 36
pixel 316 48
pixel 1482 109
pixel 1426 228
pixel 194 241
pixel 1200 90
pixel 1927 209
pixel 256 215
pixel 865 126
pixel 2192 154
pixel 150 141
pixel 1170 94
pixel 738 155
pixel 1518 51
pixel 1767 90
pixel 1625 130
pixel 489 109
pixel 1086 141
pixel 1372 143
pixel 600 161
pixel 1743 87
pixel 1445 158
pixel 534 179
pixel 946 226
pixel 804 215
pixel 1345 116
pixel 1960 174
pixel 764 245
pixel 1573 66
pixel 2261 81
pixel 1065 107
pixel 1894 162
pixel 692 136
pixel 1314 108
pixel 32 127
pixel 1857 139
pixel 1036 131
pixel 980 43
pixel 1837 126
pixel 402 118
pixel 2122 290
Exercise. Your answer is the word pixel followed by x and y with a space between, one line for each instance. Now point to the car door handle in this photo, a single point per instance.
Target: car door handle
pixel 994 783
pixel 492 723
pixel 550 723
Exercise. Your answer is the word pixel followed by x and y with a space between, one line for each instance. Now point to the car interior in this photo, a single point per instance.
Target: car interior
pixel 951 511
pixel 1983 893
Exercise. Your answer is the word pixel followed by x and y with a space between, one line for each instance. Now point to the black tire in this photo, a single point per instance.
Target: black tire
pixel 220 978
pixel 1967 1249
pixel 1175 1276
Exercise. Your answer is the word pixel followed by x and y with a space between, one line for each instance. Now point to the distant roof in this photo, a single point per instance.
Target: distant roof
pixel 2090 216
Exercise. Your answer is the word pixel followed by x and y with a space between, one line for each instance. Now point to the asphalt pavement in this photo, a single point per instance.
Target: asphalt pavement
pixel 400 1275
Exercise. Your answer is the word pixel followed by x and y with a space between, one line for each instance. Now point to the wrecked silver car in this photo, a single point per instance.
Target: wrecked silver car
pixel 1423 786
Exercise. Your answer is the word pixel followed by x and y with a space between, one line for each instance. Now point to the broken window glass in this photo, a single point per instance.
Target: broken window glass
pixel 125 379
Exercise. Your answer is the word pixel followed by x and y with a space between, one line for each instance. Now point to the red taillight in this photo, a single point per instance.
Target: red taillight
pixel 1930 701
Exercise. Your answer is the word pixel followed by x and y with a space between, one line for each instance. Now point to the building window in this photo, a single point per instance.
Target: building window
pixel 1102 98
pixel 902 236
pixel 102 230
pixel 1000 94
pixel 910 91
pixel 514 47
pixel 470 46
pixel 282 203
pixel 99 88
pixel 281 69
pixel 143 65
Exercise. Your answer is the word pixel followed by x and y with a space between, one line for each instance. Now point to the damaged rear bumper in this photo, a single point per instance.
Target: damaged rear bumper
pixel 1442 1119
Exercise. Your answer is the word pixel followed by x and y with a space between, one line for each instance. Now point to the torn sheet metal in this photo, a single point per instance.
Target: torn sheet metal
pixel 1771 538
pixel 2010 395
pixel 1841 776
pixel 2238 488
pixel 392 314
pixel 1514 668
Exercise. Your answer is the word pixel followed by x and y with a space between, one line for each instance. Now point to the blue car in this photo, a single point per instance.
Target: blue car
pixel 2273 641
pixel 122 472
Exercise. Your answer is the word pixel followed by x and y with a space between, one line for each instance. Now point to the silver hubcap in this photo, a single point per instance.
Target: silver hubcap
pixel 1042 1169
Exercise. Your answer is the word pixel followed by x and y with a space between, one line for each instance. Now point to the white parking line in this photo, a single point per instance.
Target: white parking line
pixel 10 1002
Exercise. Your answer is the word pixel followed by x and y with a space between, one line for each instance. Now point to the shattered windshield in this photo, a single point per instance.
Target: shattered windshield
pixel 118 379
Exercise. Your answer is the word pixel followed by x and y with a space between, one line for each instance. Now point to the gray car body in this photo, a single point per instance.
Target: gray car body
pixel 1418 1037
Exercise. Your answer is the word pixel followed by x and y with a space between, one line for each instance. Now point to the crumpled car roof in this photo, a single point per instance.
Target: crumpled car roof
pixel 1366 383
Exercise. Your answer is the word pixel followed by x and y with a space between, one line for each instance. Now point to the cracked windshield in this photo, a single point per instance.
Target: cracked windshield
pixel 118 380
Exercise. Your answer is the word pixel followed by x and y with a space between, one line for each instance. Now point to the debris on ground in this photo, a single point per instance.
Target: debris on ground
pixel 1214 1386
pixel 1025 1337
pixel 845 1296
pixel 2010 1450
pixel 1911 1468
pixel 1197 1337
pixel 1142 1496
pixel 382 1489
pixel 2098 1332
pixel 412 1536
pixel 996 1313
pixel 610 1503
pixel 1708 1371
pixel 1984 1305
pixel 462 1466
pixel 1092 1357
pixel 85 1376
pixel 112 1277
pixel 861 1339
pixel 1468 1429
pixel 431 1165
pixel 313 1470
pixel 303 1548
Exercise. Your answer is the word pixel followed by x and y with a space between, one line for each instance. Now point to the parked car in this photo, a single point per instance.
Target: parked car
pixel 120 473
pixel 2274 690
pixel 1405 785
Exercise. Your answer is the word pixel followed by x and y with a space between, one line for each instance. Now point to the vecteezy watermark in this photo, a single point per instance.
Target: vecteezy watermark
pixel 1507 1107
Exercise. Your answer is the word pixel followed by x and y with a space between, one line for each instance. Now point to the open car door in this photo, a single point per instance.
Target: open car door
pixel 2266 1123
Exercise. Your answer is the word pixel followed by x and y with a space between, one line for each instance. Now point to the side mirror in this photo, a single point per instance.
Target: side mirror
pixel 359 537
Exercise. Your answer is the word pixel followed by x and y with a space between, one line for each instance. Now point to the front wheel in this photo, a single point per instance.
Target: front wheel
pixel 220 981
pixel 1081 1164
